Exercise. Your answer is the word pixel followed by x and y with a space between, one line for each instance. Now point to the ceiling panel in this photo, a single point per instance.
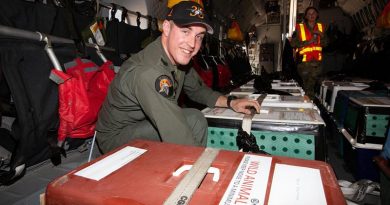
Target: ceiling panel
pixel 247 12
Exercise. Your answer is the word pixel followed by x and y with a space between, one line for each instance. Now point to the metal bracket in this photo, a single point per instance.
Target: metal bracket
pixel 99 53
pixel 49 51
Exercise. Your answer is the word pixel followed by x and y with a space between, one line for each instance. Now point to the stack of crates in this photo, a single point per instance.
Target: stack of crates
pixel 243 91
pixel 342 100
pixel 330 94
pixel 321 95
pixel 366 120
pixel 341 107
pixel 283 131
pixel 291 87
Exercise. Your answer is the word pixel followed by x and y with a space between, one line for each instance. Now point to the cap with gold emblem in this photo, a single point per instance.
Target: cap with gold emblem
pixel 188 12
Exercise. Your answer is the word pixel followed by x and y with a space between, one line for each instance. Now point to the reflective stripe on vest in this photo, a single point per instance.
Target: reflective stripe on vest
pixel 310 49
pixel 303 32
pixel 304 57
pixel 319 26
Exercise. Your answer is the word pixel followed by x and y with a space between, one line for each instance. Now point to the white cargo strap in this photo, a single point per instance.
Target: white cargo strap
pixel 247 120
pixel 186 188
pixel 357 191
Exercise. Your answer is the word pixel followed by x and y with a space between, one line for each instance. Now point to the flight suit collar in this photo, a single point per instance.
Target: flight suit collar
pixel 162 56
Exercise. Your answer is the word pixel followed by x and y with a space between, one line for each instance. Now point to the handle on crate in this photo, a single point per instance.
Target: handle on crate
pixel 212 170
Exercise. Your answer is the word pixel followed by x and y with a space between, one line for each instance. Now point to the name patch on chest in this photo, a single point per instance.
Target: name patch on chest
pixel 164 86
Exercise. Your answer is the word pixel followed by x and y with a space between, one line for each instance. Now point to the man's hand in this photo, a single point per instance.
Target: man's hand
pixel 239 105
pixel 245 105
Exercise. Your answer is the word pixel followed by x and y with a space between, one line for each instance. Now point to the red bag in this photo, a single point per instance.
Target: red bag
pixel 82 90
pixel 224 75
pixel 204 73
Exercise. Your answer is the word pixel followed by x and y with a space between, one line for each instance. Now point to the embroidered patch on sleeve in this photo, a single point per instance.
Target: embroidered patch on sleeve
pixel 164 86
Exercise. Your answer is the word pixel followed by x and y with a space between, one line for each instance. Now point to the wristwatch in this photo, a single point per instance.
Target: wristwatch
pixel 229 100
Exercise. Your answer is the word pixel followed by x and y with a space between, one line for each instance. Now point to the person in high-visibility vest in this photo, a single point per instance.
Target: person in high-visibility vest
pixel 309 38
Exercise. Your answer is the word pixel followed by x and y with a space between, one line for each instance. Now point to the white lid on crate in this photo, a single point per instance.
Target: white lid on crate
pixel 270 114
pixel 372 101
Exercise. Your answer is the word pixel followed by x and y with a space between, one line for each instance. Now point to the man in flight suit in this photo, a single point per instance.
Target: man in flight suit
pixel 142 98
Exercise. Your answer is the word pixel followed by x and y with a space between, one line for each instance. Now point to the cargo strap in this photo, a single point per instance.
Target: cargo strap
pixel 357 191
pixel 186 188
pixel 247 120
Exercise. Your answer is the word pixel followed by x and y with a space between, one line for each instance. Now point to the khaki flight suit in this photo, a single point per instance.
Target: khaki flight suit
pixel 142 102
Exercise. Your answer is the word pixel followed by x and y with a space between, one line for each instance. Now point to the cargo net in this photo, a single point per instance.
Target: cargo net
pixel 247 142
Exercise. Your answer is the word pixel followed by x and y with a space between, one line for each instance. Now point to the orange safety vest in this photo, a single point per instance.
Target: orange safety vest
pixel 313 51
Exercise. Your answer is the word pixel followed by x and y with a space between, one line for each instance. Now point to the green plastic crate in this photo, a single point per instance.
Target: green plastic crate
pixel 367 119
pixel 276 143
pixel 376 125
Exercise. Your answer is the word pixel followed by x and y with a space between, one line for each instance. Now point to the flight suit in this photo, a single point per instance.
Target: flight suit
pixel 142 102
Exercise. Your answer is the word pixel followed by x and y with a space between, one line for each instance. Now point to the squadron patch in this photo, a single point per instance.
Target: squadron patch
pixel 164 86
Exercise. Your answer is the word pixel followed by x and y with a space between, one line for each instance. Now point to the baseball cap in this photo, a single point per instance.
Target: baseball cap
pixel 188 12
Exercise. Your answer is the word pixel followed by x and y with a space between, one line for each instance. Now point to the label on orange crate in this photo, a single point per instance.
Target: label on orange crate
pixel 249 183
pixel 115 161
pixel 296 185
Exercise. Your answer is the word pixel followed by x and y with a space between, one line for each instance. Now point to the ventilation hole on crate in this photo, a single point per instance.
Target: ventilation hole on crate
pixel 296 140
pixel 212 141
pixel 231 134
pixel 308 152
pixel 262 137
pixel 212 132
pixel 222 142
pixel 262 147
pixel 273 138
pixel 373 125
pixel 285 149
pixel 309 141
pixel 231 144
pixel 374 117
pixel 285 139
pixel 296 151
pixel 273 148
pixel 221 133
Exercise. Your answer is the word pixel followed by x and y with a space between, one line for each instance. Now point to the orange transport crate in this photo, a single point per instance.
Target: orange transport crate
pixel 148 178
